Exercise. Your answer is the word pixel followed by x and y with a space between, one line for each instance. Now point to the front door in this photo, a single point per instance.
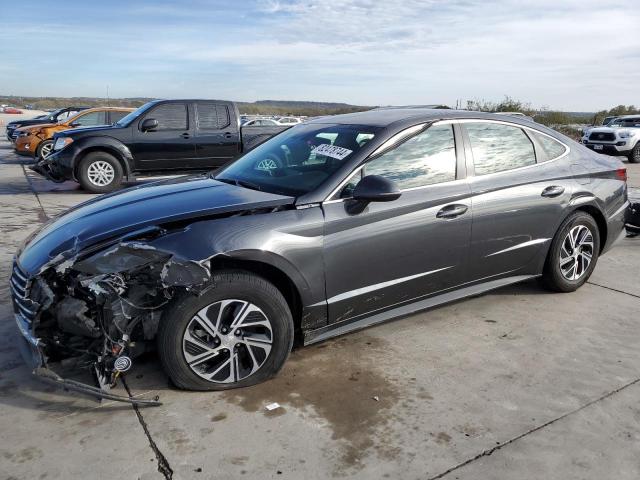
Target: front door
pixel 171 145
pixel 385 254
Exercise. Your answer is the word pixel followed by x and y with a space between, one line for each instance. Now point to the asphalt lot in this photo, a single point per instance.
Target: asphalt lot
pixel 519 383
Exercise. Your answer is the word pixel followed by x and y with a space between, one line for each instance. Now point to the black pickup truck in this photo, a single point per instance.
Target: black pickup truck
pixel 163 137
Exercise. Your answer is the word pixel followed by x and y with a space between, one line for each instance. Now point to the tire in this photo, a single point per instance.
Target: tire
pixel 46 146
pixel 566 279
pixel 634 156
pixel 89 172
pixel 179 326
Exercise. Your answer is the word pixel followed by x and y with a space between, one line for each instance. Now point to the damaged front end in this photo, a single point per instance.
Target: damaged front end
pixel 99 311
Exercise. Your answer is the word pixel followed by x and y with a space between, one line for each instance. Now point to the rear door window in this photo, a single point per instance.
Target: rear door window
pixel 170 116
pixel 212 116
pixel 498 148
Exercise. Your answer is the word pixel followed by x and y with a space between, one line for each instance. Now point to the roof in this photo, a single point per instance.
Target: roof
pixel 100 109
pixel 383 117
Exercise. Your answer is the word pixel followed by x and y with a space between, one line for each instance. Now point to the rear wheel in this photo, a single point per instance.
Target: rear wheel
pixel 100 172
pixel 238 333
pixel 634 156
pixel 573 253
pixel 44 149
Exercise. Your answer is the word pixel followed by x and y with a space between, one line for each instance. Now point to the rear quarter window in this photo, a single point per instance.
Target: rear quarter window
pixel 551 147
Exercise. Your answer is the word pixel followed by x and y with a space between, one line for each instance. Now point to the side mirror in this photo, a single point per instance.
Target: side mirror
pixel 149 124
pixel 374 188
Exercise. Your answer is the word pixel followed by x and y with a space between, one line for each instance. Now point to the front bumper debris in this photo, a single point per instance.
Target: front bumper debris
pixel 50 376
pixel 35 359
pixel 47 170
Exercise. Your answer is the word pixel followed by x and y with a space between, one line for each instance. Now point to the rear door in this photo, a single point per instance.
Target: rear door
pixel 390 253
pixel 171 146
pixel 217 134
pixel 520 193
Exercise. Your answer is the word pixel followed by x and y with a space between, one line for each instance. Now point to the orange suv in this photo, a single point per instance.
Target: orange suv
pixel 37 140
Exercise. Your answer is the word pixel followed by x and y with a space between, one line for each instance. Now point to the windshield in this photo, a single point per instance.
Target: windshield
pixel 298 160
pixel 53 116
pixel 127 119
pixel 626 122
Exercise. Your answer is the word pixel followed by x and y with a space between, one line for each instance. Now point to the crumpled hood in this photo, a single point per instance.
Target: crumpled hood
pixel 25 123
pixel 117 214
pixel 33 128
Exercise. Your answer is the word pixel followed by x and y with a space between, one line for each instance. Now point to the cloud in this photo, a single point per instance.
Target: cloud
pixel 568 54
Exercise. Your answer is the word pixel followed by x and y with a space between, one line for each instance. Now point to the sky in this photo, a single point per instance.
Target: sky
pixel 574 55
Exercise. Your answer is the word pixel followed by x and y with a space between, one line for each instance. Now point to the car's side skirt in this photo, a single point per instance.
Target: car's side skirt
pixel 336 329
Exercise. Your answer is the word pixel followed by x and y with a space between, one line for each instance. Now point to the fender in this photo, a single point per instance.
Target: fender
pixel 282 264
pixel 112 145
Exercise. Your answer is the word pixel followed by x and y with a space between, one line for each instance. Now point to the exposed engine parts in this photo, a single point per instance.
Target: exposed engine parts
pixel 104 309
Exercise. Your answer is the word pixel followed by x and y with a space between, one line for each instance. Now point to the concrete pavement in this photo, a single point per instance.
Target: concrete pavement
pixel 519 383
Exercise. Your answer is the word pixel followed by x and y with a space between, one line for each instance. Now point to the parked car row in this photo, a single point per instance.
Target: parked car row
pixel 37 140
pixel 55 116
pixel 163 137
pixel 269 121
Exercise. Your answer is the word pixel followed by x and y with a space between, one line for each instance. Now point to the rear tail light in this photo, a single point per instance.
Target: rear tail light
pixel 621 173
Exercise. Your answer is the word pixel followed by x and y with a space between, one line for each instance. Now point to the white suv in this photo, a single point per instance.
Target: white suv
pixel 621 137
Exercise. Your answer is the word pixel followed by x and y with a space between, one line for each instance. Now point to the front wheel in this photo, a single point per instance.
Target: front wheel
pixel 44 149
pixel 100 172
pixel 573 253
pixel 237 333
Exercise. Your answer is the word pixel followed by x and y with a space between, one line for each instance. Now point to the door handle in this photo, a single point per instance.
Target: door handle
pixel 552 191
pixel 228 135
pixel 452 211
pixel 185 135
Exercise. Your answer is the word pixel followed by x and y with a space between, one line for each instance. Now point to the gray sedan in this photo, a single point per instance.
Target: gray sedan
pixel 333 225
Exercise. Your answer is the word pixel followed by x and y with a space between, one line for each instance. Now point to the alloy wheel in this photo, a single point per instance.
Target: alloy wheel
pixel 576 252
pixel 101 173
pixel 46 150
pixel 227 341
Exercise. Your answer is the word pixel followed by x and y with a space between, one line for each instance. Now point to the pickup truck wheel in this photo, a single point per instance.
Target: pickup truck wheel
pixel 239 332
pixel 634 156
pixel 44 149
pixel 100 172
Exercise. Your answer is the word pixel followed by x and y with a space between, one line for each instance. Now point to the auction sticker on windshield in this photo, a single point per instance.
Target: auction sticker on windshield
pixel 332 151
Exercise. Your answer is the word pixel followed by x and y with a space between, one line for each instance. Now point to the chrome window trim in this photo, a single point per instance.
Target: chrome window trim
pixel 445 122
pixel 567 149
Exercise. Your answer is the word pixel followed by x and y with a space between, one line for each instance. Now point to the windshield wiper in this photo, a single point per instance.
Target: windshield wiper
pixel 245 184
pixel 238 183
